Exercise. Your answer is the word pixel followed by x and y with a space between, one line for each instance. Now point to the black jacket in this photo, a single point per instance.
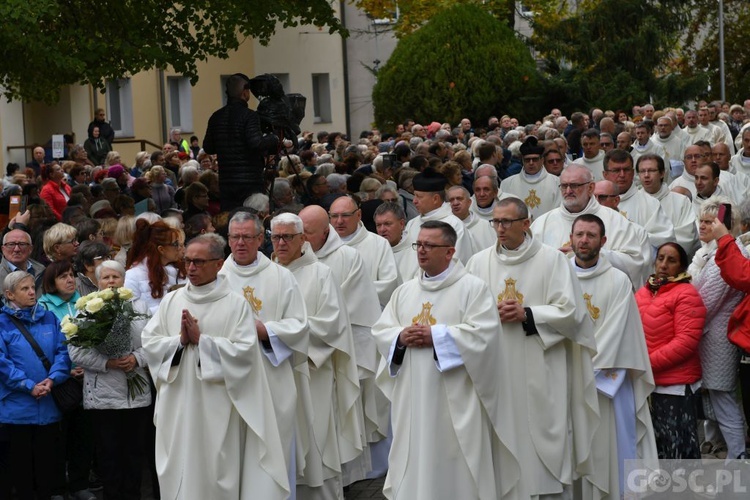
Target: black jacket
pixel 235 136
pixel 105 130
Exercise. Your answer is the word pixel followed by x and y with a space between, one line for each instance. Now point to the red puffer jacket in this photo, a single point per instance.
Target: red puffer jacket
pixel 735 269
pixel 673 321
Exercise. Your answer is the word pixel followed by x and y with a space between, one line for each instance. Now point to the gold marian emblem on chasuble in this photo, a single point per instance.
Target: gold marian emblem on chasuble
pixel 254 301
pixel 510 292
pixel 532 200
pixel 593 310
pixel 424 317
pixel 624 214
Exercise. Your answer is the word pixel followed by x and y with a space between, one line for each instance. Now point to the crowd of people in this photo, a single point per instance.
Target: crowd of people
pixel 507 311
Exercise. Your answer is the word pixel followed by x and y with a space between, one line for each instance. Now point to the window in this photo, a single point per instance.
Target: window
pixel 180 102
pixel 321 98
pixel 120 106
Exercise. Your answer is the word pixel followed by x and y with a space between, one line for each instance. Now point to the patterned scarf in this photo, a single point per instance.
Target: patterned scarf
pixel 655 283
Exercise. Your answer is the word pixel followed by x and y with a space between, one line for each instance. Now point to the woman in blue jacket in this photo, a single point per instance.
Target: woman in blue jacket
pixel 26 405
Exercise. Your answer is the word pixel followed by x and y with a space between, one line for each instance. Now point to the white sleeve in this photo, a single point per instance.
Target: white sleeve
pixel 448 356
pixel 279 350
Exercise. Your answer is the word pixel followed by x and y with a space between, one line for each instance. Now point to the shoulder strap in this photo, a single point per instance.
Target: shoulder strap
pixel 30 339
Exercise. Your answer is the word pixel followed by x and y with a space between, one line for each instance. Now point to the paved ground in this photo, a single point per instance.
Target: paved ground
pixel 370 488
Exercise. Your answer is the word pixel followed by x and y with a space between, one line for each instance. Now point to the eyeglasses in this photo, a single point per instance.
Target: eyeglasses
pixel 602 197
pixel 198 263
pixel 572 185
pixel 74 241
pixel 694 157
pixel 606 144
pixel 286 237
pixel 344 215
pixel 243 237
pixel 176 244
pixel 427 246
pixel 618 171
pixel 531 159
pixel 21 245
pixel 505 223
pixel 553 161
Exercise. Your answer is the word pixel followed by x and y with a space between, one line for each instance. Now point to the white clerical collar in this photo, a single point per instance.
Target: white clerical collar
pixel 441 276
pixel 745 159
pixel 579 269
pixel 432 212
pixel 640 147
pixel 348 238
pixel 248 266
pixel 532 177
pixel 526 242
pixel 486 210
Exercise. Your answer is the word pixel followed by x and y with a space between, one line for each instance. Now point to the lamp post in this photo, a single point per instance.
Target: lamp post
pixel 721 50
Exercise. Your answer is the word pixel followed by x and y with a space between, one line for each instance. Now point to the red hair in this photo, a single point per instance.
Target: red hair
pixel 146 242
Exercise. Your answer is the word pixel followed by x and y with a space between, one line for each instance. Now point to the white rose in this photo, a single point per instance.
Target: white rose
pixel 65 320
pixel 125 293
pixel 106 294
pixel 69 329
pixel 94 305
pixel 81 303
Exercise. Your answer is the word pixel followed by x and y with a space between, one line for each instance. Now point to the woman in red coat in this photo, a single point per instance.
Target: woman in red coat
pixel 55 191
pixel 673 316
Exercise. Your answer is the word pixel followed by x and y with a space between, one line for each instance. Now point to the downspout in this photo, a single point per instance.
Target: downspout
pixel 162 98
pixel 344 56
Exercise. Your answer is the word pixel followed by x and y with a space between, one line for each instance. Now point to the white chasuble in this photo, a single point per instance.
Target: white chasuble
pixel 553 393
pixel 482 233
pixel 679 209
pixel 451 433
pixel 363 306
pixel 595 165
pixel 646 211
pixel 627 248
pixel 216 431
pixel 541 193
pixel 337 427
pixel 379 260
pixel 621 352
pixel 406 260
pixel 274 296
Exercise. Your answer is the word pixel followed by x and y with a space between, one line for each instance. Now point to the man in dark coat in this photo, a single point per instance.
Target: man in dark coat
pixel 234 135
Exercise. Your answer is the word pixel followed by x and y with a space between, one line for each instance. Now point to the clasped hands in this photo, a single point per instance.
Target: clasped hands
pixel 42 389
pixel 510 311
pixel 189 331
pixel 416 336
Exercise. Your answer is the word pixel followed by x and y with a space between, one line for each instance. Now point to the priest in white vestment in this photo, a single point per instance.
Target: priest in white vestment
pixel 548 344
pixel 741 161
pixel 672 143
pixel 593 156
pixel 695 132
pixel 440 339
pixel 362 304
pixel 281 322
pixel 335 431
pixel 677 207
pixel 486 187
pixel 628 249
pixel 537 188
pixel 216 431
pixel 482 234
pixel 346 219
pixel 390 223
pixel 643 144
pixel 636 205
pixel 429 198
pixel 623 371
pixel 714 109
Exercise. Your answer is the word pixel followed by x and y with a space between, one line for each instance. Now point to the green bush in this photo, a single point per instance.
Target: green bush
pixel 462 63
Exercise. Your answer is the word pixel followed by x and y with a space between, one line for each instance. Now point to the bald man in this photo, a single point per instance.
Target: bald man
pixel 351 274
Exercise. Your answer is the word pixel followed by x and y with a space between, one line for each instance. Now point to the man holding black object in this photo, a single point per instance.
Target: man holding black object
pixel 234 135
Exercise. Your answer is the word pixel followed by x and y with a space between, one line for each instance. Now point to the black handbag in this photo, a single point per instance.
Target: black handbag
pixel 67 395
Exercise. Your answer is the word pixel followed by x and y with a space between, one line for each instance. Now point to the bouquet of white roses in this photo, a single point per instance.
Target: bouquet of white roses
pixel 103 323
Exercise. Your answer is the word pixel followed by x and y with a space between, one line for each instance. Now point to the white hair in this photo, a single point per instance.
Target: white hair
pixel 287 219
